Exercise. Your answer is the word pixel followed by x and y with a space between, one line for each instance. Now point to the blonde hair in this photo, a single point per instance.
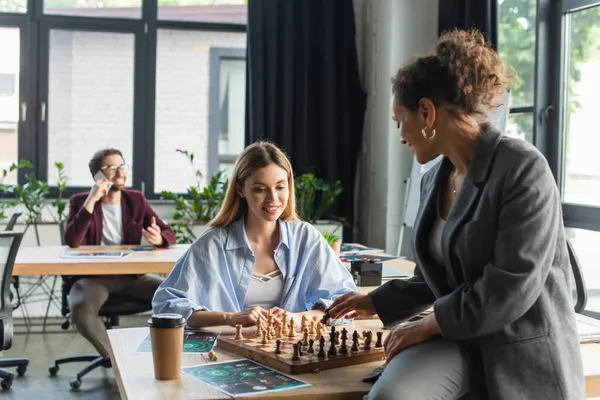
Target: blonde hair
pixel 254 157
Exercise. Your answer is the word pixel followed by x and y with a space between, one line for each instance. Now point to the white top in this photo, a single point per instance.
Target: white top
pixel 264 290
pixel 435 238
pixel 112 225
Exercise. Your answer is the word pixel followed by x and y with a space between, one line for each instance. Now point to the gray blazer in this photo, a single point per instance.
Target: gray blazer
pixel 505 292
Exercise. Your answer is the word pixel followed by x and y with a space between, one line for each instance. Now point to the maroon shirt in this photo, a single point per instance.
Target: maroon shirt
pixel 84 228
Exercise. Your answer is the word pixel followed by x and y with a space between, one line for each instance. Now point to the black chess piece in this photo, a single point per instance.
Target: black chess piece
pixel 379 341
pixel 321 353
pixel 310 346
pixel 368 341
pixel 278 348
pixel 337 337
pixel 296 355
pixel 354 348
pixel 332 339
pixel 344 334
pixel 344 348
pixel 300 348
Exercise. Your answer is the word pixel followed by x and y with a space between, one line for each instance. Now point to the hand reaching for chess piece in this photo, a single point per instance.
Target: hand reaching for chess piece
pixel 351 305
pixel 249 317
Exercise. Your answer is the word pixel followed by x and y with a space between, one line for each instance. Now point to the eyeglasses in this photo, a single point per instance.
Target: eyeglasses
pixel 111 170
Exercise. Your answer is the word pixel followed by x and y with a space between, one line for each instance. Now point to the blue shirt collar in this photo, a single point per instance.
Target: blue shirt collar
pixel 236 235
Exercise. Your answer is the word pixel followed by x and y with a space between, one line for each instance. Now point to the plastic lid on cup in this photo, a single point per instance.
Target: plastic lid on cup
pixel 166 320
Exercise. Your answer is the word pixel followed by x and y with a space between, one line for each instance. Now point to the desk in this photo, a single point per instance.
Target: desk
pixel 46 260
pixel 135 374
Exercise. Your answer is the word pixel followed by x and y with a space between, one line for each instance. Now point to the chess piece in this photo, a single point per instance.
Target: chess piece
pixel 337 337
pixel 321 353
pixel 305 337
pixel 258 327
pixel 344 334
pixel 319 331
pixel 264 338
pixel 292 333
pixel 312 331
pixel 279 332
pixel 300 348
pixel 303 322
pixel 310 346
pixel 278 348
pixel 367 345
pixel 364 334
pixel 269 336
pixel 284 324
pixel 238 332
pixel 354 348
pixel 344 348
pixel 332 350
pixel 379 341
pixel 296 355
pixel 212 356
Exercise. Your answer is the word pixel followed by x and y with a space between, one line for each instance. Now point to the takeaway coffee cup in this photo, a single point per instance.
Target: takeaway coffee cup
pixel 166 335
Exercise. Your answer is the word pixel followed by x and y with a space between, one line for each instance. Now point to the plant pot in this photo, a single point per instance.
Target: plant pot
pixel 336 246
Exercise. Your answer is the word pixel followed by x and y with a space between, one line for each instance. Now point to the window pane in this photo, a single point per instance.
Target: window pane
pixel 90 100
pixel 516 37
pixel 582 174
pixel 218 11
pixel 13 6
pixel 9 99
pixel 587 250
pixel 520 126
pixel 182 103
pixel 95 8
pixel 232 110
pixel 227 168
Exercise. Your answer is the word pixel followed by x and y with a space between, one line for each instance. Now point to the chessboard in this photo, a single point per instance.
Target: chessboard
pixel 315 349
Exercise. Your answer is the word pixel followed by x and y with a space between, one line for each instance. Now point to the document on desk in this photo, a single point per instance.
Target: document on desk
pixel 194 341
pixel 93 254
pixel 588 328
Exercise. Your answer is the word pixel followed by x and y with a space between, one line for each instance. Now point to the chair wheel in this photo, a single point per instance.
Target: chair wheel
pixel 65 325
pixel 53 370
pixel 21 370
pixel 75 384
pixel 6 383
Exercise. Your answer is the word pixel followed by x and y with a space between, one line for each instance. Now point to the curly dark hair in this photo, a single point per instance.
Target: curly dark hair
pixel 463 73
pixel 96 162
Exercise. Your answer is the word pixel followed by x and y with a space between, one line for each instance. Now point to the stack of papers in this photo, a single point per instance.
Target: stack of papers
pixel 589 329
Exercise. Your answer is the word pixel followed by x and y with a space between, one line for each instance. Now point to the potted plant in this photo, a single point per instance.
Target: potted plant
pixel 199 205
pixel 59 204
pixel 313 198
pixel 333 241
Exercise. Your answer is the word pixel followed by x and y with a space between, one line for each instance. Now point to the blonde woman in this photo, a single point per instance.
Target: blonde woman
pixel 257 256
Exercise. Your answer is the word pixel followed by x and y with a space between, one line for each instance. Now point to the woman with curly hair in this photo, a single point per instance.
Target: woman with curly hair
pixel 489 245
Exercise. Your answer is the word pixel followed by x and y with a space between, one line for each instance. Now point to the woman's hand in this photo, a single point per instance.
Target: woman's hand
pixel 354 304
pixel 249 317
pixel 409 334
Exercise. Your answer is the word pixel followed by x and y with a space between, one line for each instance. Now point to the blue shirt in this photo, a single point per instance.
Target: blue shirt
pixel 215 271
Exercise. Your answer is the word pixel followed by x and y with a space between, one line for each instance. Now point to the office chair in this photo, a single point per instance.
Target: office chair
pixel 579 282
pixel 9 245
pixel 114 307
pixel 14 279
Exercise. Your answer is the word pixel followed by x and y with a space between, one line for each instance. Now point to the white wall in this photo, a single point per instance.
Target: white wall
pixel 395 30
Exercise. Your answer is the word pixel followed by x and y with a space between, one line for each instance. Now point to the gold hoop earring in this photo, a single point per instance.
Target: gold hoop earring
pixel 425 134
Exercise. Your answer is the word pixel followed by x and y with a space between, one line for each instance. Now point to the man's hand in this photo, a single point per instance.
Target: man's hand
pixel 152 234
pixel 409 334
pixel 99 190
pixel 352 305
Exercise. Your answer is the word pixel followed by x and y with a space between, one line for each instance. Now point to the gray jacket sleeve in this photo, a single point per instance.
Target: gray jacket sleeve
pixel 529 221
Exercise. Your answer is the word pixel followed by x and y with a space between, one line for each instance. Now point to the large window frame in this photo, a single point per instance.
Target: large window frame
pixel 550 99
pixel 33 131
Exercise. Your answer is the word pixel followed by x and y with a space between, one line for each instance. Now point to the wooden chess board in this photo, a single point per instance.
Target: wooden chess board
pixel 250 347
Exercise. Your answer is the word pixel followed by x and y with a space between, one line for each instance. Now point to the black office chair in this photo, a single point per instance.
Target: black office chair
pixel 9 246
pixel 579 281
pixel 114 307
pixel 15 279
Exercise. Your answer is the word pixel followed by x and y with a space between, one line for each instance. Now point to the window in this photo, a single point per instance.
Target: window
pixel 218 11
pixel 517 37
pixel 13 6
pixel 9 99
pixel 581 170
pixel 94 8
pixel 90 99
pixel 183 85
